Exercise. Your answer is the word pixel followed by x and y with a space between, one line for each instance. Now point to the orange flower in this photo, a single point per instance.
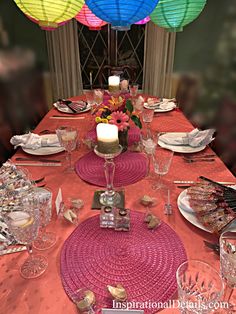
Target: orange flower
pixel 115 102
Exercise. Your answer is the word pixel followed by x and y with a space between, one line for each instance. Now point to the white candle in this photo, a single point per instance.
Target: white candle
pixel 107 136
pixel 107 132
pixel 114 83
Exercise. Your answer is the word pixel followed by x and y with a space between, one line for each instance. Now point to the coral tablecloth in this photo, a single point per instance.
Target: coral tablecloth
pixel 45 295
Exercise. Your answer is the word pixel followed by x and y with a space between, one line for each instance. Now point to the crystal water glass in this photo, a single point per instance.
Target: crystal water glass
pixel 45 239
pixel 133 89
pixel 89 94
pixel 98 96
pixel 23 224
pixel 199 287
pixel 67 137
pixel 162 161
pixel 147 115
pixel 149 143
pixel 228 257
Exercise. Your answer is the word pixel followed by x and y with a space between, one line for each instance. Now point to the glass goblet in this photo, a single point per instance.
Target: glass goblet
pixel 147 115
pixel 45 239
pixel 133 89
pixel 199 287
pixel 149 143
pixel 162 161
pixel 89 94
pixel 67 137
pixel 98 96
pixel 23 224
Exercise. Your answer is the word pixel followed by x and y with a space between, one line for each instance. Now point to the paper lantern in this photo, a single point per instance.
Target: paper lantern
pixel 49 13
pixel 144 21
pixel 86 17
pixel 48 28
pixel 175 14
pixel 120 12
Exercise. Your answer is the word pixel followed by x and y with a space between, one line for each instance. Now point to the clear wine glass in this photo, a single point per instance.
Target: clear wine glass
pixel 162 161
pixel 68 139
pixel 45 239
pixel 23 224
pixel 149 142
pixel 199 287
pixel 98 96
pixel 133 89
pixel 147 115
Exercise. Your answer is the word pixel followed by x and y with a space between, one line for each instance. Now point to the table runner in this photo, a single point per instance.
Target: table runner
pixel 46 294
pixel 141 260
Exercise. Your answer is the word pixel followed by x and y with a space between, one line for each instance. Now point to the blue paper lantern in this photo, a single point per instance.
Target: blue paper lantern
pixel 122 12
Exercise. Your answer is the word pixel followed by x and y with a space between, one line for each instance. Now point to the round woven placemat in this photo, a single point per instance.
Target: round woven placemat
pixel 130 168
pixel 143 261
pixel 133 135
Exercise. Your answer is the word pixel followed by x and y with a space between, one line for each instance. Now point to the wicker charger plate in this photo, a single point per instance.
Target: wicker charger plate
pixel 143 261
pixel 130 168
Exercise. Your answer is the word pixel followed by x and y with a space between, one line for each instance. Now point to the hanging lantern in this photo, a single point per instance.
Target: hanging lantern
pixel 48 13
pixel 48 28
pixel 86 17
pixel 144 21
pixel 120 12
pixel 174 15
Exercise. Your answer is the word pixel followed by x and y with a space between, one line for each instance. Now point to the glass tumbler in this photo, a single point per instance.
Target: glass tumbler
pixel 199 287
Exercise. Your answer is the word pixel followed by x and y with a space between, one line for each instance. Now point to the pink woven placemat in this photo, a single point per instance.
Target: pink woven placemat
pixel 130 168
pixel 133 135
pixel 143 261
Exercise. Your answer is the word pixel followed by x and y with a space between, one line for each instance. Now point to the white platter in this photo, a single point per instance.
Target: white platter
pixel 184 149
pixel 65 109
pixel 43 151
pixel 188 213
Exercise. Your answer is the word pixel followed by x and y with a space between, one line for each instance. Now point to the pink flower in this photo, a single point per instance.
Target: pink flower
pixel 120 119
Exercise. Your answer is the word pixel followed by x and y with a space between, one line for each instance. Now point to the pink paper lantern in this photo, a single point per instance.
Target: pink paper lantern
pixel 144 21
pixel 86 17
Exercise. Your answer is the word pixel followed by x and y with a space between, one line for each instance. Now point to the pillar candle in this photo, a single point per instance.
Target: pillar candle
pixel 107 137
pixel 114 83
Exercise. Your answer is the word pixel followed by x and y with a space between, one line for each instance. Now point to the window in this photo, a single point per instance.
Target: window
pixel 109 47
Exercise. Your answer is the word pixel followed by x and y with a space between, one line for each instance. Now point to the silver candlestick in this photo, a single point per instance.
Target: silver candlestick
pixel 109 197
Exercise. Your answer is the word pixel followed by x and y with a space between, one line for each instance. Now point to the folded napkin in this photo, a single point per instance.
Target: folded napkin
pixel 34 141
pixel 166 104
pixel 194 139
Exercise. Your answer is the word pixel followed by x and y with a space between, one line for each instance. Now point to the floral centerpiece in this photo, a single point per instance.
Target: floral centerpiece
pixel 120 112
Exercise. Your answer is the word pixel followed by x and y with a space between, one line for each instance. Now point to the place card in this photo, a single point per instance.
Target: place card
pixel 58 201
pixel 118 311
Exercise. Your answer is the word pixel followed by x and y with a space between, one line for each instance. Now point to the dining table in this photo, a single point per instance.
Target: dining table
pixel 45 294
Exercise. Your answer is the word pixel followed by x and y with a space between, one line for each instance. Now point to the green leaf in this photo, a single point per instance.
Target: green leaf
pixel 136 121
pixel 129 106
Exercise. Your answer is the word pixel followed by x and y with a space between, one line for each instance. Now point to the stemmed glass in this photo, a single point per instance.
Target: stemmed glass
pixel 46 239
pixel 199 287
pixel 133 89
pixel 162 161
pixel 68 139
pixel 228 261
pixel 23 224
pixel 98 96
pixel 147 115
pixel 149 143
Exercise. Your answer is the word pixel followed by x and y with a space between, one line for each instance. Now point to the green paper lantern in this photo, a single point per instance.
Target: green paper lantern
pixel 175 14
pixel 50 13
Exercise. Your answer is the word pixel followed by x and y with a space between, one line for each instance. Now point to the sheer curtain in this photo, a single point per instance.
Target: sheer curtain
pixel 64 61
pixel 158 61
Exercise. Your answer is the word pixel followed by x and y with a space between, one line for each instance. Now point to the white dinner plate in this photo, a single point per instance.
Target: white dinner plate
pixel 180 148
pixel 188 213
pixel 46 150
pixel 65 109
pixel 172 107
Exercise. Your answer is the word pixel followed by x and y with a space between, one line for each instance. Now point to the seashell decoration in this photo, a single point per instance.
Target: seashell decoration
pixel 148 201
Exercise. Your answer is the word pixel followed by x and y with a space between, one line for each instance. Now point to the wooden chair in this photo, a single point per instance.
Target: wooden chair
pixel 125 72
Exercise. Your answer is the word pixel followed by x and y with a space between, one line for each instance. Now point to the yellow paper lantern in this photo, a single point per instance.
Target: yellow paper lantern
pixel 50 13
